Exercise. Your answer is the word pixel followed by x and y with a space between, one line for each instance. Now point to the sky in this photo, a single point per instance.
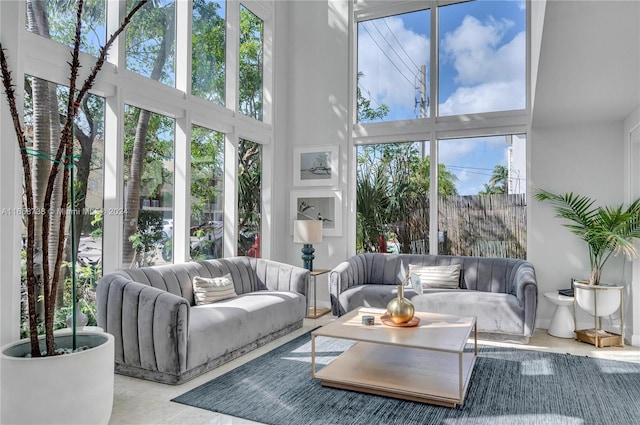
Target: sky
pixel 482 69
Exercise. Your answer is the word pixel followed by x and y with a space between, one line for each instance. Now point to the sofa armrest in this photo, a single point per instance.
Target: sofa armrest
pixel 150 325
pixel 525 287
pixel 283 277
pixel 342 277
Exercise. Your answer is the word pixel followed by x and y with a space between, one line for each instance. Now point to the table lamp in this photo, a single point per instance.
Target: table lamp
pixel 307 232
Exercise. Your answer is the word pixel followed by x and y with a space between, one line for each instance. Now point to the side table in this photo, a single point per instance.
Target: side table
pixel 314 311
pixel 562 324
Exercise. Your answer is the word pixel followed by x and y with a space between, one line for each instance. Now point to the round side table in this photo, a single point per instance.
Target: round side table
pixel 562 324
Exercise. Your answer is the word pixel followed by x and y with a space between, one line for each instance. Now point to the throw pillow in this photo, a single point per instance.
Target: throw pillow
pixel 209 290
pixel 438 276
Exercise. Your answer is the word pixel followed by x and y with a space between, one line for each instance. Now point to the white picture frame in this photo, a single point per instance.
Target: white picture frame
pixel 315 204
pixel 316 165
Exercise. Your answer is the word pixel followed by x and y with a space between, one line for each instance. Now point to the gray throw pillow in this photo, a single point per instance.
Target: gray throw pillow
pixel 438 276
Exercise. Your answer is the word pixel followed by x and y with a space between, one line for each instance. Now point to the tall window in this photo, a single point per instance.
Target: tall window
pixel 148 180
pixel 208 50
pixel 249 198
pixel 251 62
pixel 481 181
pixel 151 41
pixel 56 19
pixel 207 184
pixel 393 184
pixel 482 57
pixel 393 67
pixel 132 144
pixel 487 217
pixel 44 102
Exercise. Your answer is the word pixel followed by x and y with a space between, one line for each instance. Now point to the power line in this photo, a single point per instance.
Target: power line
pixel 399 44
pixel 387 56
pixel 392 48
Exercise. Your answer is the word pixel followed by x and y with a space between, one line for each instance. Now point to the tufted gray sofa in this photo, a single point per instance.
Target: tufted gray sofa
pixel 501 292
pixel 161 335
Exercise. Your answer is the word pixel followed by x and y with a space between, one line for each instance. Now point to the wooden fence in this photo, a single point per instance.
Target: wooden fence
pixel 475 225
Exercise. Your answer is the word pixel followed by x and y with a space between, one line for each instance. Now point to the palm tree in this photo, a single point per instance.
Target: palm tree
pixel 606 230
pixel 498 182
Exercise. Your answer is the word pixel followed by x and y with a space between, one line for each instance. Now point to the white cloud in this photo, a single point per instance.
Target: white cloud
pixel 493 96
pixel 490 73
pixel 472 48
pixel 382 81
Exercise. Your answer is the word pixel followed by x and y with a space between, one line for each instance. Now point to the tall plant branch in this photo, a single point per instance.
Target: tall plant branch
pixel 65 146
pixel 64 150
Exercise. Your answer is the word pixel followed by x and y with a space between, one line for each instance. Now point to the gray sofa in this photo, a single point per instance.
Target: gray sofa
pixel 161 335
pixel 502 293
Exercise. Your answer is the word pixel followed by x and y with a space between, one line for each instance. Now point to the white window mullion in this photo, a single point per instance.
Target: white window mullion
pixel 230 237
pixel 113 217
pixel 232 58
pixel 267 73
pixel 116 11
pixel 434 97
pixel 181 190
pixel 184 25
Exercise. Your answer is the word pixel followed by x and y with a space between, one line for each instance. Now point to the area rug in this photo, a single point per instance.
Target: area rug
pixel 508 387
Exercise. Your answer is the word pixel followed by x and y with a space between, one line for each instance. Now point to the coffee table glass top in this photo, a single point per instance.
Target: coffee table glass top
pixel 438 332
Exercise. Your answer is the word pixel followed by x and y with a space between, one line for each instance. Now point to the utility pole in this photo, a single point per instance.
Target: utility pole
pixel 423 102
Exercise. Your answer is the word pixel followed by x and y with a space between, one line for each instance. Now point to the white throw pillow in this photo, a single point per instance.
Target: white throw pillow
pixel 209 290
pixel 438 276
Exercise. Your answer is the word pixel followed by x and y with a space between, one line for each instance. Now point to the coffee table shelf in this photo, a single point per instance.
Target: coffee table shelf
pixel 402 362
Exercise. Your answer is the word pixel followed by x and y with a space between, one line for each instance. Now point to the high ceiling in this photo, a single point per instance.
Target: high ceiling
pixel 589 66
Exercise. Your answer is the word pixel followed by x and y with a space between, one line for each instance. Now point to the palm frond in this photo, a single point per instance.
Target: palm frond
pixel 606 230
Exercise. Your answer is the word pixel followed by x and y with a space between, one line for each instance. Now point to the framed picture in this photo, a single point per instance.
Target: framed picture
pixel 318 204
pixel 316 165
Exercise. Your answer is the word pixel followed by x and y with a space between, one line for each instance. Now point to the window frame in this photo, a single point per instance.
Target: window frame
pixel 119 86
pixel 432 128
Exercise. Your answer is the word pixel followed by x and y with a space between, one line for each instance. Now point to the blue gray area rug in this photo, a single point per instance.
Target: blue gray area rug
pixel 508 387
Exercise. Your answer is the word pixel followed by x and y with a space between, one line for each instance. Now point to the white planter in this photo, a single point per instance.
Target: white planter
pixel 72 388
pixel 608 298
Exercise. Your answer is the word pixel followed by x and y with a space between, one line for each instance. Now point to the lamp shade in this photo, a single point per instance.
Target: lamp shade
pixel 307 231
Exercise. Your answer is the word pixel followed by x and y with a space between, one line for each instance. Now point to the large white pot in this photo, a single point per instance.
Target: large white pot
pixel 608 298
pixel 74 388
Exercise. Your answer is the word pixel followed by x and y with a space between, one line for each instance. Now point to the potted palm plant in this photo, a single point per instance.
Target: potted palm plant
pixel 607 231
pixel 69 377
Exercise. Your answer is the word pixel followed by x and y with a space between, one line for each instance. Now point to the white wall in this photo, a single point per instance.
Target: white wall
pixel 11 191
pixel 311 109
pixel 632 172
pixel 586 159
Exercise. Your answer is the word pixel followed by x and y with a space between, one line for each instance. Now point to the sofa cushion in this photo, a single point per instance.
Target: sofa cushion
pixel 494 312
pixel 208 290
pixel 371 295
pixel 438 276
pixel 222 327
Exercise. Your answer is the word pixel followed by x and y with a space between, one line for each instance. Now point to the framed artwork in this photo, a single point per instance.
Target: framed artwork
pixel 316 165
pixel 318 204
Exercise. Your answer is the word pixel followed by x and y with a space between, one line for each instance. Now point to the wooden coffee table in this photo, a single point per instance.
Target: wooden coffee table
pixel 426 363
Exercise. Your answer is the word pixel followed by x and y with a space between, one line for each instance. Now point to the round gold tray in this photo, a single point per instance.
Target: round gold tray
pixel 386 320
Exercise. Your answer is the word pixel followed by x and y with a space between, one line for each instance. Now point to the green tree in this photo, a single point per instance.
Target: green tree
pixel 366 112
pixel 498 182
pixel 400 180
pixel 150 48
pixel 208 51
pixel 250 64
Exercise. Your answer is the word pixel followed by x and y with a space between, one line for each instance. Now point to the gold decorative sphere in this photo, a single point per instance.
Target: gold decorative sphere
pixel 399 309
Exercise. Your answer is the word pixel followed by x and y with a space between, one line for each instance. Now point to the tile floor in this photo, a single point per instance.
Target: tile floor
pixel 142 402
